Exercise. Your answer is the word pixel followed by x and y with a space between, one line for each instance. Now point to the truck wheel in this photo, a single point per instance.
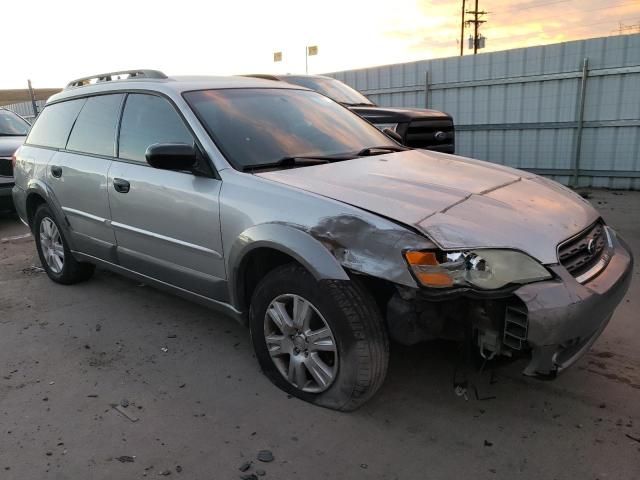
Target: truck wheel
pixel 323 342
pixel 54 252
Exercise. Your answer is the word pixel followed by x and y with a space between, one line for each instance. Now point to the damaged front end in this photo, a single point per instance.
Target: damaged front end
pixel 552 320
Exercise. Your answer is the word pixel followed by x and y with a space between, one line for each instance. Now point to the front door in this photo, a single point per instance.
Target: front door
pixel 167 223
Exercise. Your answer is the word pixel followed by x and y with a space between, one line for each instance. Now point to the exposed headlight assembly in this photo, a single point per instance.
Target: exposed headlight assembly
pixel 487 269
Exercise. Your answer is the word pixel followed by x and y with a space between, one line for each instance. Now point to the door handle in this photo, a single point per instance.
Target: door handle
pixel 121 185
pixel 56 171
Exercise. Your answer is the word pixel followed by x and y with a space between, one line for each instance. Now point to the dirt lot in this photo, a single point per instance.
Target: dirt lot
pixel 203 408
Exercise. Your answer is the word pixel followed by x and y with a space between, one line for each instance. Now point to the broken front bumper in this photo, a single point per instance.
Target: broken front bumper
pixel 566 317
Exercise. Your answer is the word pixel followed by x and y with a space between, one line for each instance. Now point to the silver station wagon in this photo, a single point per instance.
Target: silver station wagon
pixel 283 209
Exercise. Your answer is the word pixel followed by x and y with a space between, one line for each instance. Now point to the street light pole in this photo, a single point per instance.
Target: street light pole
pixel 462 30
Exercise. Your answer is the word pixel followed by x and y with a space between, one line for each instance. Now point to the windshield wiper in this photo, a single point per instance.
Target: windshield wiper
pixel 382 149
pixel 295 161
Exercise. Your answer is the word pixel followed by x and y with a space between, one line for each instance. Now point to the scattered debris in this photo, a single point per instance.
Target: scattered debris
pixel 165 473
pixel 172 335
pixel 15 238
pixel 635 439
pixel 249 476
pixel 164 349
pixel 245 466
pixel 125 412
pixel 265 456
pixel 460 390
pixel 124 403
pixel 126 459
pixel 261 473
pixel 92 395
pixel 32 270
pixel 178 468
pixel 182 385
pixel 98 327
pixel 487 443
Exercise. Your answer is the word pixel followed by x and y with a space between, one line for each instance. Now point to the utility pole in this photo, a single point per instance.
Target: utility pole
pixel 33 100
pixel 476 25
pixel 462 31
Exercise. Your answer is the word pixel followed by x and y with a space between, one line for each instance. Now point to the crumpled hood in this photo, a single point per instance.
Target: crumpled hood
pixel 8 145
pixel 457 202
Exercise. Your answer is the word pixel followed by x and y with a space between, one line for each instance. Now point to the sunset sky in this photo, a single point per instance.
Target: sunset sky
pixel 52 42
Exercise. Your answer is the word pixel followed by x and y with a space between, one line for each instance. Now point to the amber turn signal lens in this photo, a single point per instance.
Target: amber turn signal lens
pixel 435 279
pixel 421 258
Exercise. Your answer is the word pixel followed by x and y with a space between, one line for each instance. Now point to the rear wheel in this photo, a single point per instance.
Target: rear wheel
pixel 54 252
pixel 323 342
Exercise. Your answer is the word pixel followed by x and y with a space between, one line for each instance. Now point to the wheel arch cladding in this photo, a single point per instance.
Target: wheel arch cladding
pixel 280 241
pixel 34 200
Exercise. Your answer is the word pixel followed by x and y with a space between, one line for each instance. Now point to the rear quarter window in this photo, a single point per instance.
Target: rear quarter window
pixel 54 124
pixel 95 129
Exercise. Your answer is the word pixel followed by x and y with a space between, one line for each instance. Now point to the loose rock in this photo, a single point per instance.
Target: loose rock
pixel 265 456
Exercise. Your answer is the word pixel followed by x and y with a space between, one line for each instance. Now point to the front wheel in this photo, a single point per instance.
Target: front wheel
pixel 323 342
pixel 54 252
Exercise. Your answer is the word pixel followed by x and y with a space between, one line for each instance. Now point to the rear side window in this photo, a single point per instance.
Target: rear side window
pixel 54 124
pixel 95 129
pixel 149 119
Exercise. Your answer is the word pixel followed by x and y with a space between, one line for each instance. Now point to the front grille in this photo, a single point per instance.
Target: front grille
pixel 584 251
pixel 431 134
pixel 6 167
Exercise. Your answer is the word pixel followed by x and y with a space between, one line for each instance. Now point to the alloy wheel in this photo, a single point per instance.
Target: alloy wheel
pixel 301 343
pixel 51 245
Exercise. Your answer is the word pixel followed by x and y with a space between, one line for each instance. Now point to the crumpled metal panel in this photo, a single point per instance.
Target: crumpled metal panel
pixel 457 202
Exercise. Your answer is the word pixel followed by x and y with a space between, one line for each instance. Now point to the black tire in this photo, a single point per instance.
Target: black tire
pixel 72 270
pixel 355 322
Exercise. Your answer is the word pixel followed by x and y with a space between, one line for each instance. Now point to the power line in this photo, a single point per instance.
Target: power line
pixel 581 11
pixel 537 5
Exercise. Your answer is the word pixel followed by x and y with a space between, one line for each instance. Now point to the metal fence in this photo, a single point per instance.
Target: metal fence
pixel 25 109
pixel 569 110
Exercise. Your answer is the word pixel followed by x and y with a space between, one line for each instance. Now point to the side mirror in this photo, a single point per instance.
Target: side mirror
pixel 171 156
pixel 393 135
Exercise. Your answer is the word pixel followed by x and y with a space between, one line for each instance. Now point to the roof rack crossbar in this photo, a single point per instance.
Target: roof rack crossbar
pixel 107 77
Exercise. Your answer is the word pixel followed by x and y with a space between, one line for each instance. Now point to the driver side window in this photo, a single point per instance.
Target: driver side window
pixel 149 119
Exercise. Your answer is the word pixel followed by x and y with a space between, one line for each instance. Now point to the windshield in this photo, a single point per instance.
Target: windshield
pixel 12 125
pixel 264 125
pixel 332 88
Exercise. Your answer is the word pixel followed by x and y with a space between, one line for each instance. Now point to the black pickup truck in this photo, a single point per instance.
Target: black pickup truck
pixel 417 127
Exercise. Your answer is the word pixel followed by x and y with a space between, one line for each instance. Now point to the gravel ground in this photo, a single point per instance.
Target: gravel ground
pixel 72 357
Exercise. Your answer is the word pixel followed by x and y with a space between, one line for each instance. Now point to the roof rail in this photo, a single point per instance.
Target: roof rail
pixel 107 77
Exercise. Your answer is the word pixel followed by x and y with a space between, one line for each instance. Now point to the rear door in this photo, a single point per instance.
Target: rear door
pixel 78 172
pixel 166 223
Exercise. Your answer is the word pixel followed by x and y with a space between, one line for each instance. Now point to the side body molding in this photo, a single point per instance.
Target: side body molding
pixel 287 239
